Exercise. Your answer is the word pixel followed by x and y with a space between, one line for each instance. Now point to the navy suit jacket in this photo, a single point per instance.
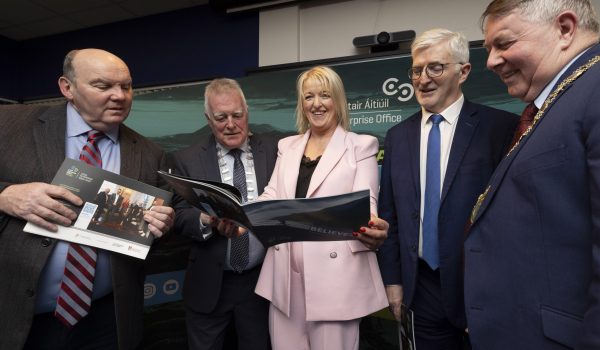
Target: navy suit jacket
pixel 202 286
pixel 532 257
pixel 480 140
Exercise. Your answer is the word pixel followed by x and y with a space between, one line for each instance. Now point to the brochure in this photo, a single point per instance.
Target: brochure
pixel 332 218
pixel 112 215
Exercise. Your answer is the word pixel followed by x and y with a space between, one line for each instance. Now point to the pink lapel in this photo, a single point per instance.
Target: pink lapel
pixel 332 155
pixel 290 164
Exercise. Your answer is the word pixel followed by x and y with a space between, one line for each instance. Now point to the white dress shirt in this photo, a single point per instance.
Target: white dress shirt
pixel 447 129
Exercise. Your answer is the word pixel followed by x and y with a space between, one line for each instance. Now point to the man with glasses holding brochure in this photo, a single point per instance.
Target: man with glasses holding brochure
pixel 436 164
pixel 222 273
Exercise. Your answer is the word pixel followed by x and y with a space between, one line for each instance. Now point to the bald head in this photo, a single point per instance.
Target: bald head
pixel 98 85
pixel 87 56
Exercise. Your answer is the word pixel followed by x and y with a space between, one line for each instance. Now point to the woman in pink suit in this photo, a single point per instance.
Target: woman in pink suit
pixel 320 290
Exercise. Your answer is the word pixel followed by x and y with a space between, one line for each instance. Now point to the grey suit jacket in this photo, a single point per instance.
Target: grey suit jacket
pixel 32 139
pixel 204 274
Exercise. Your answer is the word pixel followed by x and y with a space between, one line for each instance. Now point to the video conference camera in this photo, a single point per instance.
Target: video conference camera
pixel 385 41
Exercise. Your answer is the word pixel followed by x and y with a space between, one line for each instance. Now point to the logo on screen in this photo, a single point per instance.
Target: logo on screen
pixel 149 290
pixel 170 287
pixel 392 87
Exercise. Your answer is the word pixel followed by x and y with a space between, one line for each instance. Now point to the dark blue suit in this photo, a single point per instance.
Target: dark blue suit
pixel 480 140
pixel 532 258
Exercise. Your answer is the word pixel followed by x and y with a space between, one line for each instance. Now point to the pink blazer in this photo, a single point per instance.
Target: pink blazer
pixel 342 279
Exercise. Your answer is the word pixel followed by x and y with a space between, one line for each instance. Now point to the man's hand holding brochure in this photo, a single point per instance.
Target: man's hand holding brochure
pixel 331 218
pixel 111 216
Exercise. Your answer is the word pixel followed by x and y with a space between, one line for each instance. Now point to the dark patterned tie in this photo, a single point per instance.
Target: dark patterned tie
pixel 75 296
pixel 524 122
pixel 431 209
pixel 239 245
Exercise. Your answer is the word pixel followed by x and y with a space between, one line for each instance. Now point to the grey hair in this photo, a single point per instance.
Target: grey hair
pixel 457 43
pixel 222 85
pixel 68 69
pixel 544 11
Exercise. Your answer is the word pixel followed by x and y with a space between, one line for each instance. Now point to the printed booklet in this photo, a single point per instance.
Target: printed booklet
pixel 332 218
pixel 112 215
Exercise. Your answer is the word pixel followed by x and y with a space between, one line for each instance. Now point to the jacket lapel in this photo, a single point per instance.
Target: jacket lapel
pixel 208 162
pixel 465 129
pixel 593 51
pixel 290 161
pixel 260 164
pixel 333 153
pixel 49 139
pixel 131 157
pixel 413 135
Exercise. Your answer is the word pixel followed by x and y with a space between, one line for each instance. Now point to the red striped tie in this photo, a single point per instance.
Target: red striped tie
pixel 75 296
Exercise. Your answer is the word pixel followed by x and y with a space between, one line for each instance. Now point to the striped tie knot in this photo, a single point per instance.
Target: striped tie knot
pixel 90 152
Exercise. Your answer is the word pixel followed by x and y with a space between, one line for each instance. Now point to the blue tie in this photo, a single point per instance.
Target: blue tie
pixel 432 195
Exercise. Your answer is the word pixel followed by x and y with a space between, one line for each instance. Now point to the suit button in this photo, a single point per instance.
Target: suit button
pixel 46 242
pixel 415 215
pixel 413 247
pixel 276 247
pixel 29 292
pixel 333 255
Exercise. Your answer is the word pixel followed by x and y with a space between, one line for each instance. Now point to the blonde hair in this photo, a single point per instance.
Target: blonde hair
pixel 332 83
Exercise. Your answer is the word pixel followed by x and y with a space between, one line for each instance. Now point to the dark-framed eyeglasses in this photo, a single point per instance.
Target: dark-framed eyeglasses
pixel 433 70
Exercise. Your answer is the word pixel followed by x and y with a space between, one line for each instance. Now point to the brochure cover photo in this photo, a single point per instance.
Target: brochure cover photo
pixel 112 215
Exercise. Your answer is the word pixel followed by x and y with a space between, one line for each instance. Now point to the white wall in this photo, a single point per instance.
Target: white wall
pixel 325 28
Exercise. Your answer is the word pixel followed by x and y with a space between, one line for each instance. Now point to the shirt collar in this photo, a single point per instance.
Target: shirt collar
pixel 225 150
pixel 539 101
pixel 450 114
pixel 77 126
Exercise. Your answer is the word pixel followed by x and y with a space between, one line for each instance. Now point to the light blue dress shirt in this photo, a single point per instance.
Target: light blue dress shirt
pixel 51 276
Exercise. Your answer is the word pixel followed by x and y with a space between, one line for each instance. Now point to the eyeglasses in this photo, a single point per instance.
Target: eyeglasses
pixel 433 70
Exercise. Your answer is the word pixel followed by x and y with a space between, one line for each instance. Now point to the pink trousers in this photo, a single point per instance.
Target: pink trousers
pixel 296 333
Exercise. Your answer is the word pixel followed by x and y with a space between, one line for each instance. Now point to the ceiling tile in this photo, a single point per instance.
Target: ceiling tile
pixel 52 25
pixel 26 19
pixel 21 11
pixel 17 33
pixel 150 7
pixel 69 6
pixel 100 15
pixel 5 24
